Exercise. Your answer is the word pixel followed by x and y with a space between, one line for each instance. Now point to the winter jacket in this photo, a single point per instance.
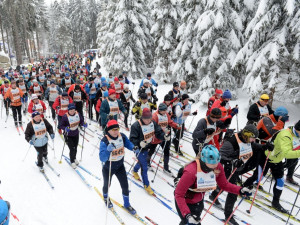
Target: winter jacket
pixel 31 107
pixel 118 92
pixel 88 90
pixel 65 123
pixel 38 93
pixel 65 85
pixel 73 87
pixel 254 113
pixel 143 90
pixel 124 100
pixel 57 106
pixel 266 128
pixel 152 81
pixel 104 154
pixel 15 100
pixel 283 146
pixel 4 212
pixel 189 180
pixel 105 110
pixel 30 134
pixel 136 133
pixel 180 114
pixel 47 93
pixel 4 89
pixel 138 110
pixel 83 96
pixel 210 102
pixel 170 124
pixel 175 95
pixel 217 104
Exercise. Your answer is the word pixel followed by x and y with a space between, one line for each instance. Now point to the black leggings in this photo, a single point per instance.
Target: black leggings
pixel 196 210
pixel 178 136
pixel 17 114
pixel 42 152
pixel 152 148
pixel 72 142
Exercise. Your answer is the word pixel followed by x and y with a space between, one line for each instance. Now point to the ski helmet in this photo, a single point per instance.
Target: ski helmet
pixel 249 131
pixel 281 111
pixel 264 97
pixel 210 154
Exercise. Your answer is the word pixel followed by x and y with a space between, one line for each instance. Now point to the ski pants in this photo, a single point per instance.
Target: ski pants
pixel 93 103
pixel 291 165
pixel 53 113
pixel 178 136
pixel 17 114
pixel 126 106
pixel 72 142
pixel 142 163
pixel 196 210
pixel 120 172
pixel 41 152
pixel 165 145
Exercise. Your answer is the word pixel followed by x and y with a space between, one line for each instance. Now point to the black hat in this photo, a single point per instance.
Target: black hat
pixel 168 97
pixel 143 96
pixel 297 126
pixel 184 96
pixel 176 84
pixel 121 76
pixel 77 87
pixel 64 94
pixel 216 113
pixel 91 78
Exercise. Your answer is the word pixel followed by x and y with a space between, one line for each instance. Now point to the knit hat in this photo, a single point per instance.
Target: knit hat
pixel 111 124
pixel 146 114
pixel 210 154
pixel 110 74
pixel 162 107
pixel 6 82
pixel 149 75
pixel 281 111
pixel 64 94
pixel 297 126
pixel 126 86
pixel 34 96
pixel 111 92
pixel 52 82
pixel 4 212
pixel 184 96
pixel 104 84
pixel 219 92
pixel 91 78
pixel 121 76
pixel 182 83
pixel 249 131
pixel 35 113
pixel 216 113
pixel 227 94
pixel 77 87
pixel 105 94
pixel 71 106
pixel 103 79
pixel 168 97
pixel 116 79
pixel 175 84
pixel 143 96
pixel 145 81
pixel 67 75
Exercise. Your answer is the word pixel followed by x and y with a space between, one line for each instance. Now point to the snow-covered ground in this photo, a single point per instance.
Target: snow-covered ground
pixel 72 203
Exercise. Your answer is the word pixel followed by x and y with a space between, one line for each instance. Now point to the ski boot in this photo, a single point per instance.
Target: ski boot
pixel 130 210
pixel 276 205
pixel 290 180
pixel 149 189
pixel 76 162
pixel 73 165
pixel 168 172
pixel 110 205
pixel 136 175
pixel 232 221
pixel 212 197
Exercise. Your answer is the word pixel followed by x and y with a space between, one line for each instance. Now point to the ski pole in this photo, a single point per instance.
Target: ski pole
pixel 63 149
pixel 82 144
pixel 159 160
pixel 234 211
pixel 156 150
pixel 1 107
pixel 271 184
pixel 137 157
pixel 218 195
pixel 191 122
pixel 26 153
pixel 53 148
pixel 293 207
pixel 262 173
pixel 179 139
pixel 237 121
pixel 109 174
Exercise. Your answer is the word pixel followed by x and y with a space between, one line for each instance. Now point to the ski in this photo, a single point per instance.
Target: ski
pixel 18 130
pixel 85 170
pixel 80 175
pixel 151 221
pixel 54 171
pixel 111 209
pixel 84 137
pixel 47 179
pixel 22 129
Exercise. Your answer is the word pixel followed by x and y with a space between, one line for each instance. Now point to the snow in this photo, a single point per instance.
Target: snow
pixel 290 6
pixel 72 203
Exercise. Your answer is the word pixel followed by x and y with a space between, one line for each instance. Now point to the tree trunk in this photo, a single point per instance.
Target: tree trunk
pixel 38 42
pixel 8 51
pixel 16 39
pixel 25 37
pixel 2 34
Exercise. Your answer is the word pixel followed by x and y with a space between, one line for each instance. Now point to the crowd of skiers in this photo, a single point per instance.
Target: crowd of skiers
pixel 67 85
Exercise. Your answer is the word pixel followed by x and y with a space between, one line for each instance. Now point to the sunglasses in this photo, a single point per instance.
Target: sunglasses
pixel 115 129
pixel 265 100
pixel 213 117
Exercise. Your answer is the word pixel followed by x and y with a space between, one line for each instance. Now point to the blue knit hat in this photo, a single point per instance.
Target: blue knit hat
pixel 210 154
pixel 103 79
pixel 4 212
pixel 71 106
pixel 104 84
pixel 281 111
pixel 227 94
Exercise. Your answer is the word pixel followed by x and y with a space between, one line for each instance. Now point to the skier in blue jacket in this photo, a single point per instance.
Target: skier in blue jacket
pixel 112 151
pixel 4 212
pixel 152 81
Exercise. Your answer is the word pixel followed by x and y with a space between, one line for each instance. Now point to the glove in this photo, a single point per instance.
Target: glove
pixel 134 101
pixel 246 192
pixel 110 147
pixel 143 144
pixel 52 136
pixel 138 104
pixel 209 131
pixel 155 99
pixel 195 113
pixel 234 111
pixel 192 220
pixel 31 142
pixel 183 107
pixel 268 146
pixel 110 117
pixel 85 125
pixel 67 129
pixel 238 163
pixel 223 103
pixel 284 118
pixel 192 100
pixel 136 150
pixel 227 122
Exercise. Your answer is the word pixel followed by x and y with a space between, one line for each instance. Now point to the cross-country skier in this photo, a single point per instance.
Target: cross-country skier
pixel 211 100
pixel 91 90
pixel 146 88
pixel 79 97
pixel 36 105
pixel 141 104
pixel 51 93
pixel 150 79
pixel 117 86
pixel 112 151
pixel 36 135
pixel 125 97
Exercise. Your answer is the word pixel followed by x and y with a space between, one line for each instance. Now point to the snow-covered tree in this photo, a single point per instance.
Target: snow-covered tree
pixel 166 15
pixel 125 38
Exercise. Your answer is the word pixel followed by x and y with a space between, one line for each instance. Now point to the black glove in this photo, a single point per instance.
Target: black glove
pixel 284 118
pixel 192 100
pixel 195 113
pixel 138 104
pixel 238 163
pixel 268 146
pixel 183 107
pixel 227 122
pixel 209 131
pixel 155 98
pixel 110 117
pixel 223 103
pixel 134 101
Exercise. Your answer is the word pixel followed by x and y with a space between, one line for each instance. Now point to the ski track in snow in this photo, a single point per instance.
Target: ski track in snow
pixel 72 203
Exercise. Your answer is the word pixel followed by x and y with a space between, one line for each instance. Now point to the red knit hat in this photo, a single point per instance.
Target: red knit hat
pixel 219 92
pixel 146 114
pixel 111 124
pixel 111 92
pixel 116 79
